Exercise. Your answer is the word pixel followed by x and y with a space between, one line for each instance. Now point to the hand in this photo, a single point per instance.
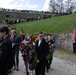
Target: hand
pixel 37 61
pixel 33 44
pixel 13 44
pixel 20 48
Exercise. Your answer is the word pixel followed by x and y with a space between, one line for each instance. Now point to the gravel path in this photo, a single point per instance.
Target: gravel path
pixel 59 67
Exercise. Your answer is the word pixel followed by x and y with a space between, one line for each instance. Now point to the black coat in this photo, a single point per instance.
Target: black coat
pixel 0 46
pixel 6 58
pixel 41 50
pixel 17 41
pixel 41 53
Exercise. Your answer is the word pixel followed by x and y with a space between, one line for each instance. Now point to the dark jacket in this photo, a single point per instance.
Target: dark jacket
pixel 6 58
pixel 0 46
pixel 41 53
pixel 41 50
pixel 17 41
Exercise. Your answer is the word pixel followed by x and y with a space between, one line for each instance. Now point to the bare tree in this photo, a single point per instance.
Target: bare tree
pixel 52 6
pixel 56 7
pixel 61 6
pixel 70 5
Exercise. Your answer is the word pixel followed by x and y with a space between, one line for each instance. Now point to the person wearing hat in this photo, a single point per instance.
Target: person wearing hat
pixel 6 57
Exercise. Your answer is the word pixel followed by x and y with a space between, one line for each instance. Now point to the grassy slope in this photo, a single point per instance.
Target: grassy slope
pixel 62 24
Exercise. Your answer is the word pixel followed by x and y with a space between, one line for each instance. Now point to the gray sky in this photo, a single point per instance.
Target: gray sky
pixel 40 5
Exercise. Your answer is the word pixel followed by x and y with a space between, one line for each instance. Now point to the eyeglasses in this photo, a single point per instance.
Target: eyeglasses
pixel 41 35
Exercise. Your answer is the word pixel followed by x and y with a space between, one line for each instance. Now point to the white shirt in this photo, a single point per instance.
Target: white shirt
pixel 39 43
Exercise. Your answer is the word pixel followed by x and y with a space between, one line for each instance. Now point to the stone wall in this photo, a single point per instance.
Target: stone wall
pixel 64 41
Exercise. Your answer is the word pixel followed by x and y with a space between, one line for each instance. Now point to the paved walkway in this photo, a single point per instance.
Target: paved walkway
pixel 58 67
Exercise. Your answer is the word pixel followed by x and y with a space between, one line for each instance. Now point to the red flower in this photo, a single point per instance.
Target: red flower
pixel 27 39
pixel 21 43
pixel 31 42
pixel 48 40
pixel 28 48
pixel 35 53
pixel 21 35
pixel 49 47
pixel 25 47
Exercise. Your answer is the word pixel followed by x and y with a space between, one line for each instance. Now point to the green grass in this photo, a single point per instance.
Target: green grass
pixel 56 25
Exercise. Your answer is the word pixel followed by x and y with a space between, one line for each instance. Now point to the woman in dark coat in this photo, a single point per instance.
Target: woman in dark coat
pixel 6 58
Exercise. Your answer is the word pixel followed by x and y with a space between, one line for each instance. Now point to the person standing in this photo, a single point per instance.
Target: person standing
pixel 16 40
pixel 41 49
pixel 6 57
pixel 47 65
pixel 22 34
pixel 51 43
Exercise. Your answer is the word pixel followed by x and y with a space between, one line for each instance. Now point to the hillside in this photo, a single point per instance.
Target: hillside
pixel 56 25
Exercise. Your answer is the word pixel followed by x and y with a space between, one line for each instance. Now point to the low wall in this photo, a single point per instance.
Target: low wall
pixel 64 41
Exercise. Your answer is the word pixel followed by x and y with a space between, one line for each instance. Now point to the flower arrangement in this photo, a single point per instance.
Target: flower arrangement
pixel 32 63
pixel 25 47
pixel 28 50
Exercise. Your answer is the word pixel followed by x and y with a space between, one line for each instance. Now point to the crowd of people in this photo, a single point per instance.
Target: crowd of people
pixel 41 45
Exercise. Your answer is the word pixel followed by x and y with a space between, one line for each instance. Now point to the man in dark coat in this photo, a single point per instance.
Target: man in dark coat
pixel 41 49
pixel 15 45
pixel 6 58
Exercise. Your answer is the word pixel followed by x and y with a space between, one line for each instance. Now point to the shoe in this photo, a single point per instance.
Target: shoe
pixel 14 68
pixel 47 71
pixel 17 69
pixel 27 73
pixel 9 71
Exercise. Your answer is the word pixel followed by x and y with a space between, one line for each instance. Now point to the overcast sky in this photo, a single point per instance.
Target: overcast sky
pixel 40 5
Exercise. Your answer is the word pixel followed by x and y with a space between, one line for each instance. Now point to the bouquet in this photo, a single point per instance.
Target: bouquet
pixel 32 63
pixel 50 53
pixel 25 50
pixel 28 50
pixel 25 47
